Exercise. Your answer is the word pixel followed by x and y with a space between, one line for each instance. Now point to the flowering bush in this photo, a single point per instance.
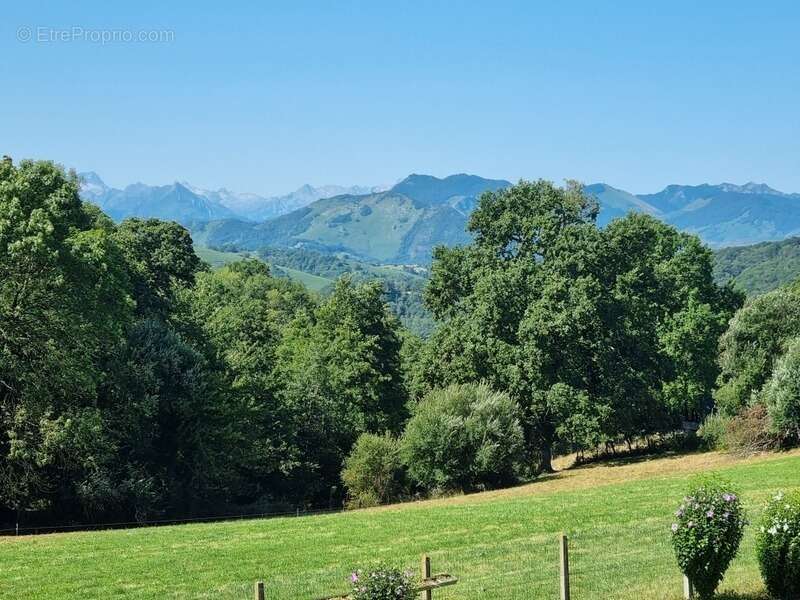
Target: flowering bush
pixel 382 583
pixel 778 546
pixel 706 534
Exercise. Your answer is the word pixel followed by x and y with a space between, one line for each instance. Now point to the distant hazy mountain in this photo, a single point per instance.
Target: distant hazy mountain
pixel 174 202
pixel 722 215
pixel 253 207
pixel 400 225
pixel 187 204
pixel 729 215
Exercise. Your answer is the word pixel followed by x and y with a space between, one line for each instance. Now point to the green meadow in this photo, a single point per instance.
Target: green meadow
pixel 500 544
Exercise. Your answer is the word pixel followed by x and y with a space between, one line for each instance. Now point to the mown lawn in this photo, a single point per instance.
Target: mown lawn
pixel 500 544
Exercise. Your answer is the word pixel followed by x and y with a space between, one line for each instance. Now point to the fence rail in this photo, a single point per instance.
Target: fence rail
pixel 425 587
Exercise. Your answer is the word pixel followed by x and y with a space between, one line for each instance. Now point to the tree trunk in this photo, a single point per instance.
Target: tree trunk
pixel 547 459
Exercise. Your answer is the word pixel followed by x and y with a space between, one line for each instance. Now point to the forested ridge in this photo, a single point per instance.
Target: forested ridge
pixel 135 382
pixel 761 267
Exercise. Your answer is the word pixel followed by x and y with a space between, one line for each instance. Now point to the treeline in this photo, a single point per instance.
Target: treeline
pixel 137 383
pixel 758 398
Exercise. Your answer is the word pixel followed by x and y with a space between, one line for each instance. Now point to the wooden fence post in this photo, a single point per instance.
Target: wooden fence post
pixel 564 553
pixel 426 573
pixel 259 592
pixel 688 588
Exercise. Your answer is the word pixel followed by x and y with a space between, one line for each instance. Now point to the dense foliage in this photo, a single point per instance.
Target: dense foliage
pixel 781 393
pixel 135 382
pixel 778 546
pixel 759 379
pixel 751 345
pixel 706 534
pixel 597 334
pixel 382 583
pixel 373 472
pixel 759 268
pixel 463 437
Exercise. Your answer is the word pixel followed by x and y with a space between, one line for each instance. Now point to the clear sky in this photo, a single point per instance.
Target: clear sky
pixel 266 96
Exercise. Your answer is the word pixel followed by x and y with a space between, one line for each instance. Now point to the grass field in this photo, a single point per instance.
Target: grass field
pixel 501 544
pixel 217 258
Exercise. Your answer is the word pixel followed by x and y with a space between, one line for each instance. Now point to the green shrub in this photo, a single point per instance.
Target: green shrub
pixel 713 432
pixel 781 394
pixel 463 437
pixel 373 472
pixel 778 546
pixel 382 583
pixel 706 534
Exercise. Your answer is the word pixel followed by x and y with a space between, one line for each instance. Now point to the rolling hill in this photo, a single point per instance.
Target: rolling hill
pixel 400 225
pixel 761 267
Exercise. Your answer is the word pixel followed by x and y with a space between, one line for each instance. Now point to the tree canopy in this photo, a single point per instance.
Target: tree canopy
pixel 598 334
pixel 137 382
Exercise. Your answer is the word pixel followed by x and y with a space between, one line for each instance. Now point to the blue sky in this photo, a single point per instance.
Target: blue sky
pixel 264 97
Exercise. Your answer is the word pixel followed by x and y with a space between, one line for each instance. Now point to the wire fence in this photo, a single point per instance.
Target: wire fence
pixel 44 528
pixel 526 568
pixel 512 555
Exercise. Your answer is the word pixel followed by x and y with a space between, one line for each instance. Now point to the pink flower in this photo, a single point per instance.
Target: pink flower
pixel 354 577
pixel 674 527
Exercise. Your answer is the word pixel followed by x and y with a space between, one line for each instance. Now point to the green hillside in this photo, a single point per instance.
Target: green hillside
pixel 761 267
pixel 217 258
pixel 499 544
pixel 311 281
pixel 401 225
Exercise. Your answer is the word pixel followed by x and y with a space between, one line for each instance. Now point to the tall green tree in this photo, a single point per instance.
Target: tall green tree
pixel 342 376
pixel 597 334
pixel 755 339
pixel 170 424
pixel 239 315
pixel 63 297
pixel 160 259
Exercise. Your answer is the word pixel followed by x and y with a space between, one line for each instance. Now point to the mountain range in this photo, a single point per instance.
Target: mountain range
pixel 404 223
pixel 722 215
pixel 187 204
